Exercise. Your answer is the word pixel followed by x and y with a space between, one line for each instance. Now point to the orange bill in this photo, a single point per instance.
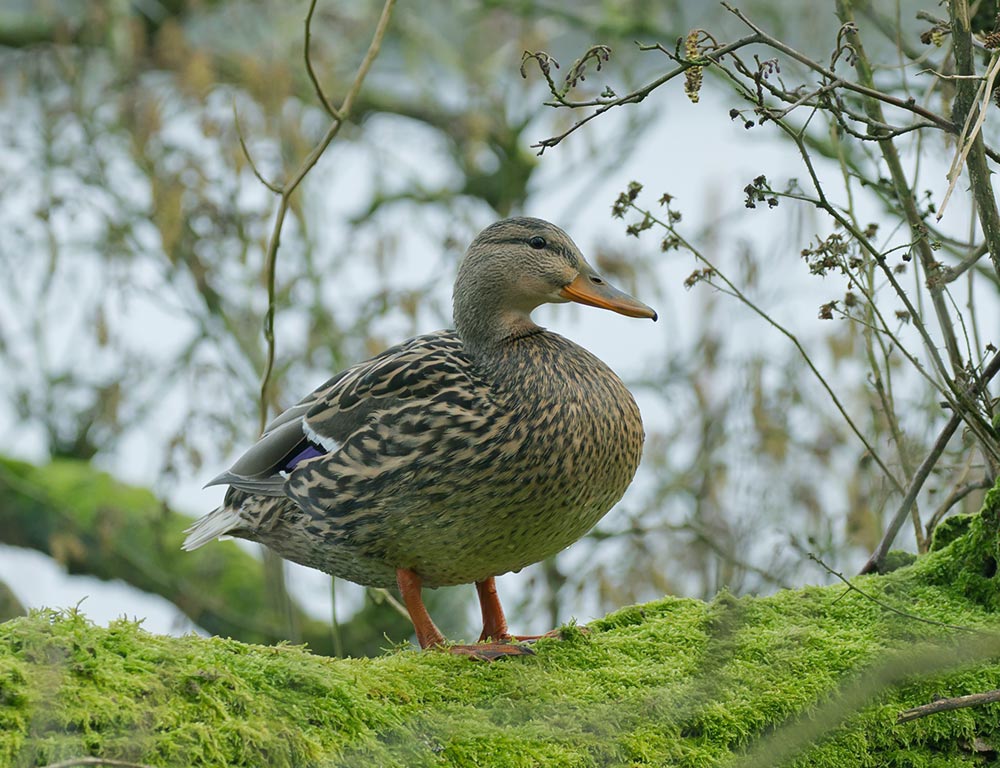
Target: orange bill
pixel 594 291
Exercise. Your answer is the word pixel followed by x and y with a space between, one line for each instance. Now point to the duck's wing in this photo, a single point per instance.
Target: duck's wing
pixel 322 421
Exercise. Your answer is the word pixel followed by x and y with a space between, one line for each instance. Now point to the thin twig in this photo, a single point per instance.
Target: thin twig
pixel 320 94
pixel 904 193
pixel 941 76
pixel 742 297
pixel 638 95
pixel 946 705
pixel 906 104
pixel 954 394
pixel 74 761
pixel 387 596
pixel 799 137
pixel 821 201
pixel 773 114
pixel 714 57
pixel 953 273
pixel 932 19
pixel 246 153
pixel 889 411
pixel 967 138
pixel 292 184
pixel 882 604
pixel 957 494
pixel 979 172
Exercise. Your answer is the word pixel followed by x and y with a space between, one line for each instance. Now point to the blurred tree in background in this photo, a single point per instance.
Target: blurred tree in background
pixel 137 233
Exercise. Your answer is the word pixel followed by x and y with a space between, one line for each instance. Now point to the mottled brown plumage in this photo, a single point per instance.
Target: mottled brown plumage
pixel 455 456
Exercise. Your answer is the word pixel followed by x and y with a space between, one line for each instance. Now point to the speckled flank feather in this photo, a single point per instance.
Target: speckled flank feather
pixel 461 454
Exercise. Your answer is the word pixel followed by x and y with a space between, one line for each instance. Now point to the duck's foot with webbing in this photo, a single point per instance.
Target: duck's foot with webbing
pixel 495 642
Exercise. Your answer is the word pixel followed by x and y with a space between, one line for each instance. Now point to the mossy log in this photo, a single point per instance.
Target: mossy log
pixel 10 606
pixel 808 677
pixel 96 525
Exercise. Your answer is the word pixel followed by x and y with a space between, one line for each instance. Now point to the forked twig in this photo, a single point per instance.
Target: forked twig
pixel 882 604
pixel 270 262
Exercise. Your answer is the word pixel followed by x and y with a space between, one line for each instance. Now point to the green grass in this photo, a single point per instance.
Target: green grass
pixel 812 676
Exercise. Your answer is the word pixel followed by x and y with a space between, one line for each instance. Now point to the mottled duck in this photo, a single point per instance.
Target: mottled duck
pixel 458 455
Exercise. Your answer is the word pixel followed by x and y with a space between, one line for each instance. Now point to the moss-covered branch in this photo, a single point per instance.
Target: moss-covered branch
pixel 96 525
pixel 814 675
pixel 10 606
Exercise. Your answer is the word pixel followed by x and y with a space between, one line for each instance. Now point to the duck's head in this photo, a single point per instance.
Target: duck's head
pixel 516 265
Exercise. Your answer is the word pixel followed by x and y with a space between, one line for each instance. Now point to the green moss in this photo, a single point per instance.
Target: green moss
pixel 968 562
pixel 814 676
pixel 896 559
pixel 950 529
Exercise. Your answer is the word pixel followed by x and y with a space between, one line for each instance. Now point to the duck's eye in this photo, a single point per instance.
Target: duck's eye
pixel 537 242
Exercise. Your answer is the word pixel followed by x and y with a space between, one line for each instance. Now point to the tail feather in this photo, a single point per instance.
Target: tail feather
pixel 216 523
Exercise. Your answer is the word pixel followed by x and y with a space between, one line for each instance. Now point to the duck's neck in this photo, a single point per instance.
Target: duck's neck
pixel 487 326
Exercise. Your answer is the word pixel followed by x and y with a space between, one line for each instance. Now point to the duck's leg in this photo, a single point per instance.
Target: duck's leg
pixel 494 622
pixel 409 584
pixel 495 640
pixel 429 636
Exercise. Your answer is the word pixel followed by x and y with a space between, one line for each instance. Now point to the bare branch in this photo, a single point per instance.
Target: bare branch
pixel 737 293
pixel 865 90
pixel 320 94
pixel 904 194
pixel 979 172
pixel 638 95
pixel 246 153
pixel 946 705
pixel 953 273
pixel 106 761
pixel 955 496
pixel 968 136
pixel 930 118
pixel 270 264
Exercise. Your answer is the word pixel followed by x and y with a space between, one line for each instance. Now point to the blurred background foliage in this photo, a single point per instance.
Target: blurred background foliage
pixel 132 296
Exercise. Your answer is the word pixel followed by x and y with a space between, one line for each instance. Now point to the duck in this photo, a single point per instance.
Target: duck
pixel 456 456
